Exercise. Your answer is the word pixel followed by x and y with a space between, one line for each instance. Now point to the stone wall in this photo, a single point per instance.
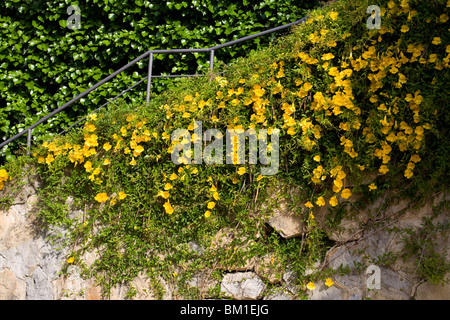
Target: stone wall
pixel 30 262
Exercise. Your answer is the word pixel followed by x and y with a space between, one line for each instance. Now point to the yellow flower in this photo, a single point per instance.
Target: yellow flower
pixel 3 175
pixel 334 201
pixel 173 176
pixel 443 18
pixel 168 186
pixel 168 207
pixel 70 260
pixel 107 146
pixel 372 186
pixel 122 195
pixel 408 173
pixel 139 149
pixel 90 127
pixel 88 166
pixel 211 205
pixel 101 197
pixel 310 286
pixel 163 194
pixel 329 282
pixel 320 201
pixel 316 158
pixel 436 40
pixel 133 162
pixel 207 214
pixel 49 159
pixel 106 162
pixel 291 131
pixel 241 171
pixel 346 193
pixel 259 177
pixel 216 196
pixel 383 169
pixel 415 158
pixel 327 56
pixel 333 15
pixel 309 204
pixel 404 28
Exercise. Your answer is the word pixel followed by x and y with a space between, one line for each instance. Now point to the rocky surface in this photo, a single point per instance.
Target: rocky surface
pixel 30 262
pixel 242 286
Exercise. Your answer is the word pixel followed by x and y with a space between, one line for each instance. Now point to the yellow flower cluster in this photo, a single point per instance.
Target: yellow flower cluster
pixel 3 178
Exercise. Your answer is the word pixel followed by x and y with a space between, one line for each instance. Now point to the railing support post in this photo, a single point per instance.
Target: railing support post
pixel 211 60
pixel 149 77
pixel 29 142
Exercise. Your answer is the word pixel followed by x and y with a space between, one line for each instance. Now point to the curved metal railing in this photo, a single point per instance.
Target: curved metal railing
pixel 149 77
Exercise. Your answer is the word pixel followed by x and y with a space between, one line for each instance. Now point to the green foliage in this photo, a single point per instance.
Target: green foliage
pixel 359 112
pixel 45 64
pixel 421 244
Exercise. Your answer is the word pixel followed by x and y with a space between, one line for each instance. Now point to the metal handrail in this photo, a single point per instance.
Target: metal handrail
pixel 149 77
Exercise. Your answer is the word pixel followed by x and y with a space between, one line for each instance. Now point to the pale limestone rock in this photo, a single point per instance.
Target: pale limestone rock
pixel 287 225
pixel 323 292
pixel 39 287
pixel 280 214
pixel 11 288
pixel 428 291
pixel 242 286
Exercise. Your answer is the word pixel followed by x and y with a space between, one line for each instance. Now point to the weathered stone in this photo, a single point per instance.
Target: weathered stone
pixel 278 294
pixel 280 215
pixel 428 291
pixel 312 269
pixel 266 268
pixel 322 292
pixel 394 286
pixel 23 259
pixel 287 225
pixel 39 287
pixel 11 288
pixel 70 286
pixel 203 283
pixel 290 281
pixel 242 286
pixel 227 237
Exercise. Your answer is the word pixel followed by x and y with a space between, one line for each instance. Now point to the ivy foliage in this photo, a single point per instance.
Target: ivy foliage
pixel 45 64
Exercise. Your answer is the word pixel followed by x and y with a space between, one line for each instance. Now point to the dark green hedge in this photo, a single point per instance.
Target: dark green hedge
pixel 44 63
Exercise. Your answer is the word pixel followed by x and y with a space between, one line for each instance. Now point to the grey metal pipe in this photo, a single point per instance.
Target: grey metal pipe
pixel 29 142
pixel 211 60
pixel 149 77
pixel 259 34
